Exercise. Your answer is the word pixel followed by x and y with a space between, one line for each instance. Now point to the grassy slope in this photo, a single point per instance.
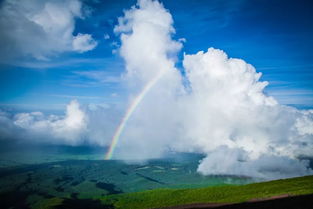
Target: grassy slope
pixel 219 194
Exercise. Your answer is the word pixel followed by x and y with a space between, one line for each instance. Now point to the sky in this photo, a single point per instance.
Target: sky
pixel 231 80
pixel 273 36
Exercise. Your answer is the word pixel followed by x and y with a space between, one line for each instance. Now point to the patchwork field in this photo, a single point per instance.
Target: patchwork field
pixel 78 178
pixel 32 179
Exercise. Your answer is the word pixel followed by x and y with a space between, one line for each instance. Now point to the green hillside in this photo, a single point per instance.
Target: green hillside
pixel 218 194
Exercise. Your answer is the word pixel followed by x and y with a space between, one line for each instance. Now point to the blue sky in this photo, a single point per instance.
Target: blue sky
pixel 274 36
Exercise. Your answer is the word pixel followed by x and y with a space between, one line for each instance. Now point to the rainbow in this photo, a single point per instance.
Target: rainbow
pixel 132 107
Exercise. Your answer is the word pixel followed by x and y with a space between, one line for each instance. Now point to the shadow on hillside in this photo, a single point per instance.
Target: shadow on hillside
pixel 83 204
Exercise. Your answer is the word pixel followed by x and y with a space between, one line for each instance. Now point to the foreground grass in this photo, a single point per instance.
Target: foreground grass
pixel 218 194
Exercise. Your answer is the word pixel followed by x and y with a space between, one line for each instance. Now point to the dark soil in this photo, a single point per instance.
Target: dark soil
pixel 111 188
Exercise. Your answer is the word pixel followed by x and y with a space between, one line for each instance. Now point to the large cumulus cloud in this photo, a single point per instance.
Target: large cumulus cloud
pixel 222 111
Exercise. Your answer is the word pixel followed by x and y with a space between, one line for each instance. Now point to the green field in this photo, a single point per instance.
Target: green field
pixel 218 194
pixel 41 178
pixel 67 178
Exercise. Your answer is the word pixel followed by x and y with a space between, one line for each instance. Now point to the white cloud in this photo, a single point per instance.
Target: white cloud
pixel 106 36
pixel 69 129
pixel 41 29
pixel 83 43
pixel 146 41
pixel 146 32
pixel 235 162
pixel 93 124
pixel 304 124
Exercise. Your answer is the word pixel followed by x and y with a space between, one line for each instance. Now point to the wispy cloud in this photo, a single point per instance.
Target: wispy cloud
pixel 292 96
pixel 93 78
pixel 100 76
pixel 286 67
pixel 75 96
pixel 73 62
